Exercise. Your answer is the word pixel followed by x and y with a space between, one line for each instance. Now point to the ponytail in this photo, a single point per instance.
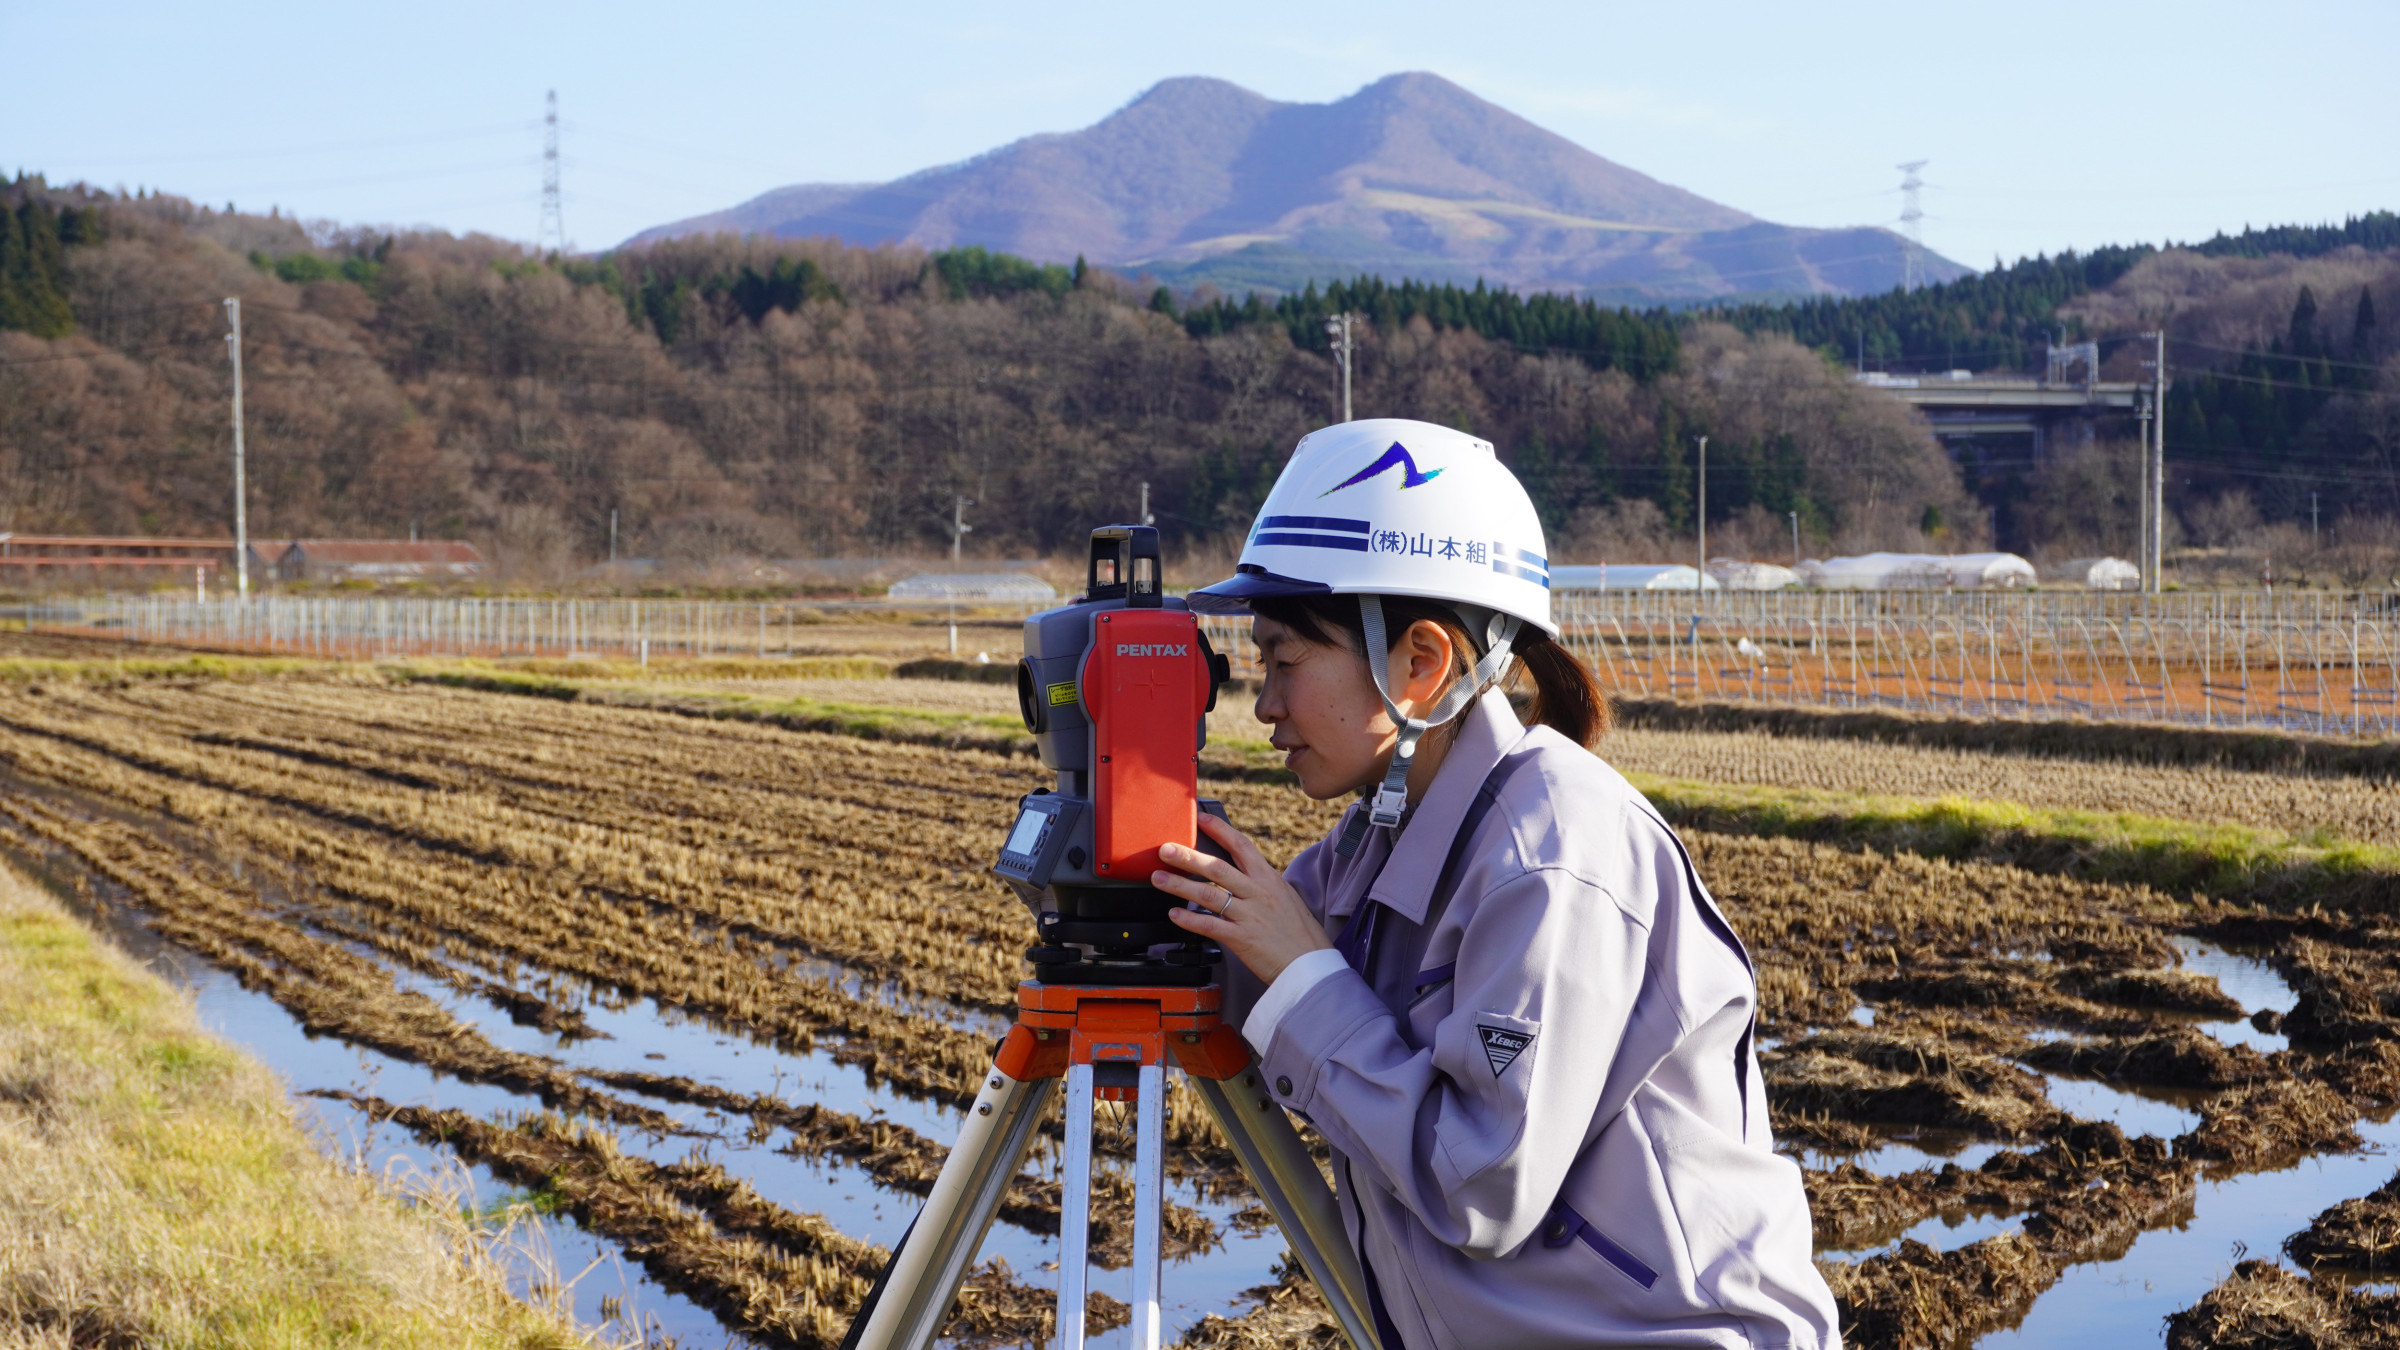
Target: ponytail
pixel 1565 697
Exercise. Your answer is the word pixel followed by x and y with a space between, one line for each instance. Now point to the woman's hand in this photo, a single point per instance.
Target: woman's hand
pixel 1245 906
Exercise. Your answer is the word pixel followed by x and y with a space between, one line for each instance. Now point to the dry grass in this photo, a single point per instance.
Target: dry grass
pixel 2111 742
pixel 158 1190
pixel 2365 809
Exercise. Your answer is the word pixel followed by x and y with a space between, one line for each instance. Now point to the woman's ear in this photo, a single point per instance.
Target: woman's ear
pixel 1422 663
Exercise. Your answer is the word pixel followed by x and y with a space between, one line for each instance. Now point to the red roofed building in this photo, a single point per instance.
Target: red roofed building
pixel 376 560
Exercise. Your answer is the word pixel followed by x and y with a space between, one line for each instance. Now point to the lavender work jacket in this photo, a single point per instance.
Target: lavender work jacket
pixel 1548 1124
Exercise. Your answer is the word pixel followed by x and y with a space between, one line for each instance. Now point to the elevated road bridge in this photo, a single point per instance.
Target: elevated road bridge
pixel 2056 415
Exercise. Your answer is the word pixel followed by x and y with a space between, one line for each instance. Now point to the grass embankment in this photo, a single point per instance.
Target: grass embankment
pixel 94 670
pixel 155 1188
pixel 2113 742
pixel 2229 862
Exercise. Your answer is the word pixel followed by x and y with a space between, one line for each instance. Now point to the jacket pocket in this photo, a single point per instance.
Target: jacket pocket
pixel 1565 1225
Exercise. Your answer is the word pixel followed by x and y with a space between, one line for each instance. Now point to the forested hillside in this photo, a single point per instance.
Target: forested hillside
pixel 778 398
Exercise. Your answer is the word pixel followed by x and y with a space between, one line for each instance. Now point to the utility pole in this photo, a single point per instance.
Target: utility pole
pixel 1701 515
pixel 241 494
pixel 1338 328
pixel 2158 462
pixel 1147 518
pixel 612 534
pixel 2141 547
pixel 1795 539
pixel 959 528
pixel 553 229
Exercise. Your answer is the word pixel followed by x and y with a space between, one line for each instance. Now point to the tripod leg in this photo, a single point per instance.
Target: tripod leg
pixel 1075 1208
pixel 1286 1178
pixel 914 1297
pixel 1149 1186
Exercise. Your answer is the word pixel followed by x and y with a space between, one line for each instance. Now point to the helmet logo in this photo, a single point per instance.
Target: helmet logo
pixel 1397 455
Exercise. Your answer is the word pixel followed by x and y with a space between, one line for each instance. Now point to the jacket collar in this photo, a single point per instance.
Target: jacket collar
pixel 1488 731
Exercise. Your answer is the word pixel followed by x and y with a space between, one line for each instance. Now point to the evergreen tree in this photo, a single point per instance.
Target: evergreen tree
pixel 1600 464
pixel 1675 455
pixel 11 249
pixel 2303 338
pixel 2362 328
pixel 33 273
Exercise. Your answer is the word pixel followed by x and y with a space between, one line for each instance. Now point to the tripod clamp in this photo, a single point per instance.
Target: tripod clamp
pixel 1109 1043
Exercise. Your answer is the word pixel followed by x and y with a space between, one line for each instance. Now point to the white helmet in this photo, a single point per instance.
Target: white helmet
pixel 1392 507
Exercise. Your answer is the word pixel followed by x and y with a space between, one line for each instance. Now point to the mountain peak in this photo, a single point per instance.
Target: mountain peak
pixel 1197 178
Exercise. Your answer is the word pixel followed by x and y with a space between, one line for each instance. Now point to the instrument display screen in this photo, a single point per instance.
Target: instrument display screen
pixel 1026 835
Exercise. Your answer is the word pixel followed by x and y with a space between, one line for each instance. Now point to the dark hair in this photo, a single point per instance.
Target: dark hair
pixel 1565 697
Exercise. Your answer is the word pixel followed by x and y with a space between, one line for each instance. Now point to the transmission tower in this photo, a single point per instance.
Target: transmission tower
pixel 553 233
pixel 1914 261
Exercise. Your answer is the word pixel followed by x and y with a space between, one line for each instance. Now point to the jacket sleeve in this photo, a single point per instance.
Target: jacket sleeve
pixel 1308 875
pixel 1476 1132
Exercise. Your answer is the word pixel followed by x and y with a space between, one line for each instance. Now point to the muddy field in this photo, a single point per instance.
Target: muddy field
pixel 1994 1077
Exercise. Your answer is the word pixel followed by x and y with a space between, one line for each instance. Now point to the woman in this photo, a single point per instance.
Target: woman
pixel 1499 990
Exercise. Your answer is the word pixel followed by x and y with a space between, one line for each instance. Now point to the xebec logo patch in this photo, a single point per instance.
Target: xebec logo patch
pixel 1502 1047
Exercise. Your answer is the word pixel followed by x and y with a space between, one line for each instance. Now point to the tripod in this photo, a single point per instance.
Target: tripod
pixel 1109 1042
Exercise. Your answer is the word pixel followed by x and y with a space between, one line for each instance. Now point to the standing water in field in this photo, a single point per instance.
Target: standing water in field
pixel 607 1292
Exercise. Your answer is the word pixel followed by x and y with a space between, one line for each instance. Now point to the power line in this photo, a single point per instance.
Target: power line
pixel 2275 356
pixel 326 148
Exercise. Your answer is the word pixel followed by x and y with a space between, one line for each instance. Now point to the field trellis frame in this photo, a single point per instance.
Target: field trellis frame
pixel 371 627
pixel 2310 661
pixel 2306 661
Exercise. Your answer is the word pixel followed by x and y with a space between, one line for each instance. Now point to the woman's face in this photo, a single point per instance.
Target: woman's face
pixel 1328 719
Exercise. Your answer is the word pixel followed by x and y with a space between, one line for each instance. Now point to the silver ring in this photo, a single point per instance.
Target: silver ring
pixel 1225 909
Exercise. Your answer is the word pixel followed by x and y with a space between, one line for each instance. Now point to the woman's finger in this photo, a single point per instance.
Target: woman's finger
pixel 1192 860
pixel 1207 925
pixel 1245 852
pixel 1182 887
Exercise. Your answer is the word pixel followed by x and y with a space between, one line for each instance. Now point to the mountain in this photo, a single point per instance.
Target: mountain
pixel 1199 180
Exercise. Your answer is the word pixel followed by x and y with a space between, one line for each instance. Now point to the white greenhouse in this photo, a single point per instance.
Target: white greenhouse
pixel 2095 574
pixel 1631 577
pixel 1921 572
pixel 994 587
pixel 1736 575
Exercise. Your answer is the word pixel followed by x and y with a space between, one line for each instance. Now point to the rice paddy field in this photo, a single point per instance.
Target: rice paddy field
pixel 2085 1047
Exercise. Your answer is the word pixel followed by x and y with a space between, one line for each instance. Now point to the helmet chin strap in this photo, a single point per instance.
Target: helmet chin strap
pixel 1391 799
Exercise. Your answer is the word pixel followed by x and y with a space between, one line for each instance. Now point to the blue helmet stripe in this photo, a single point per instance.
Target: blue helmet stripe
pixel 1313 523
pixel 1340 541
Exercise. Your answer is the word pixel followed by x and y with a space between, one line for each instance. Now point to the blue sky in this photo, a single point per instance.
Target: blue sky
pixel 2047 126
